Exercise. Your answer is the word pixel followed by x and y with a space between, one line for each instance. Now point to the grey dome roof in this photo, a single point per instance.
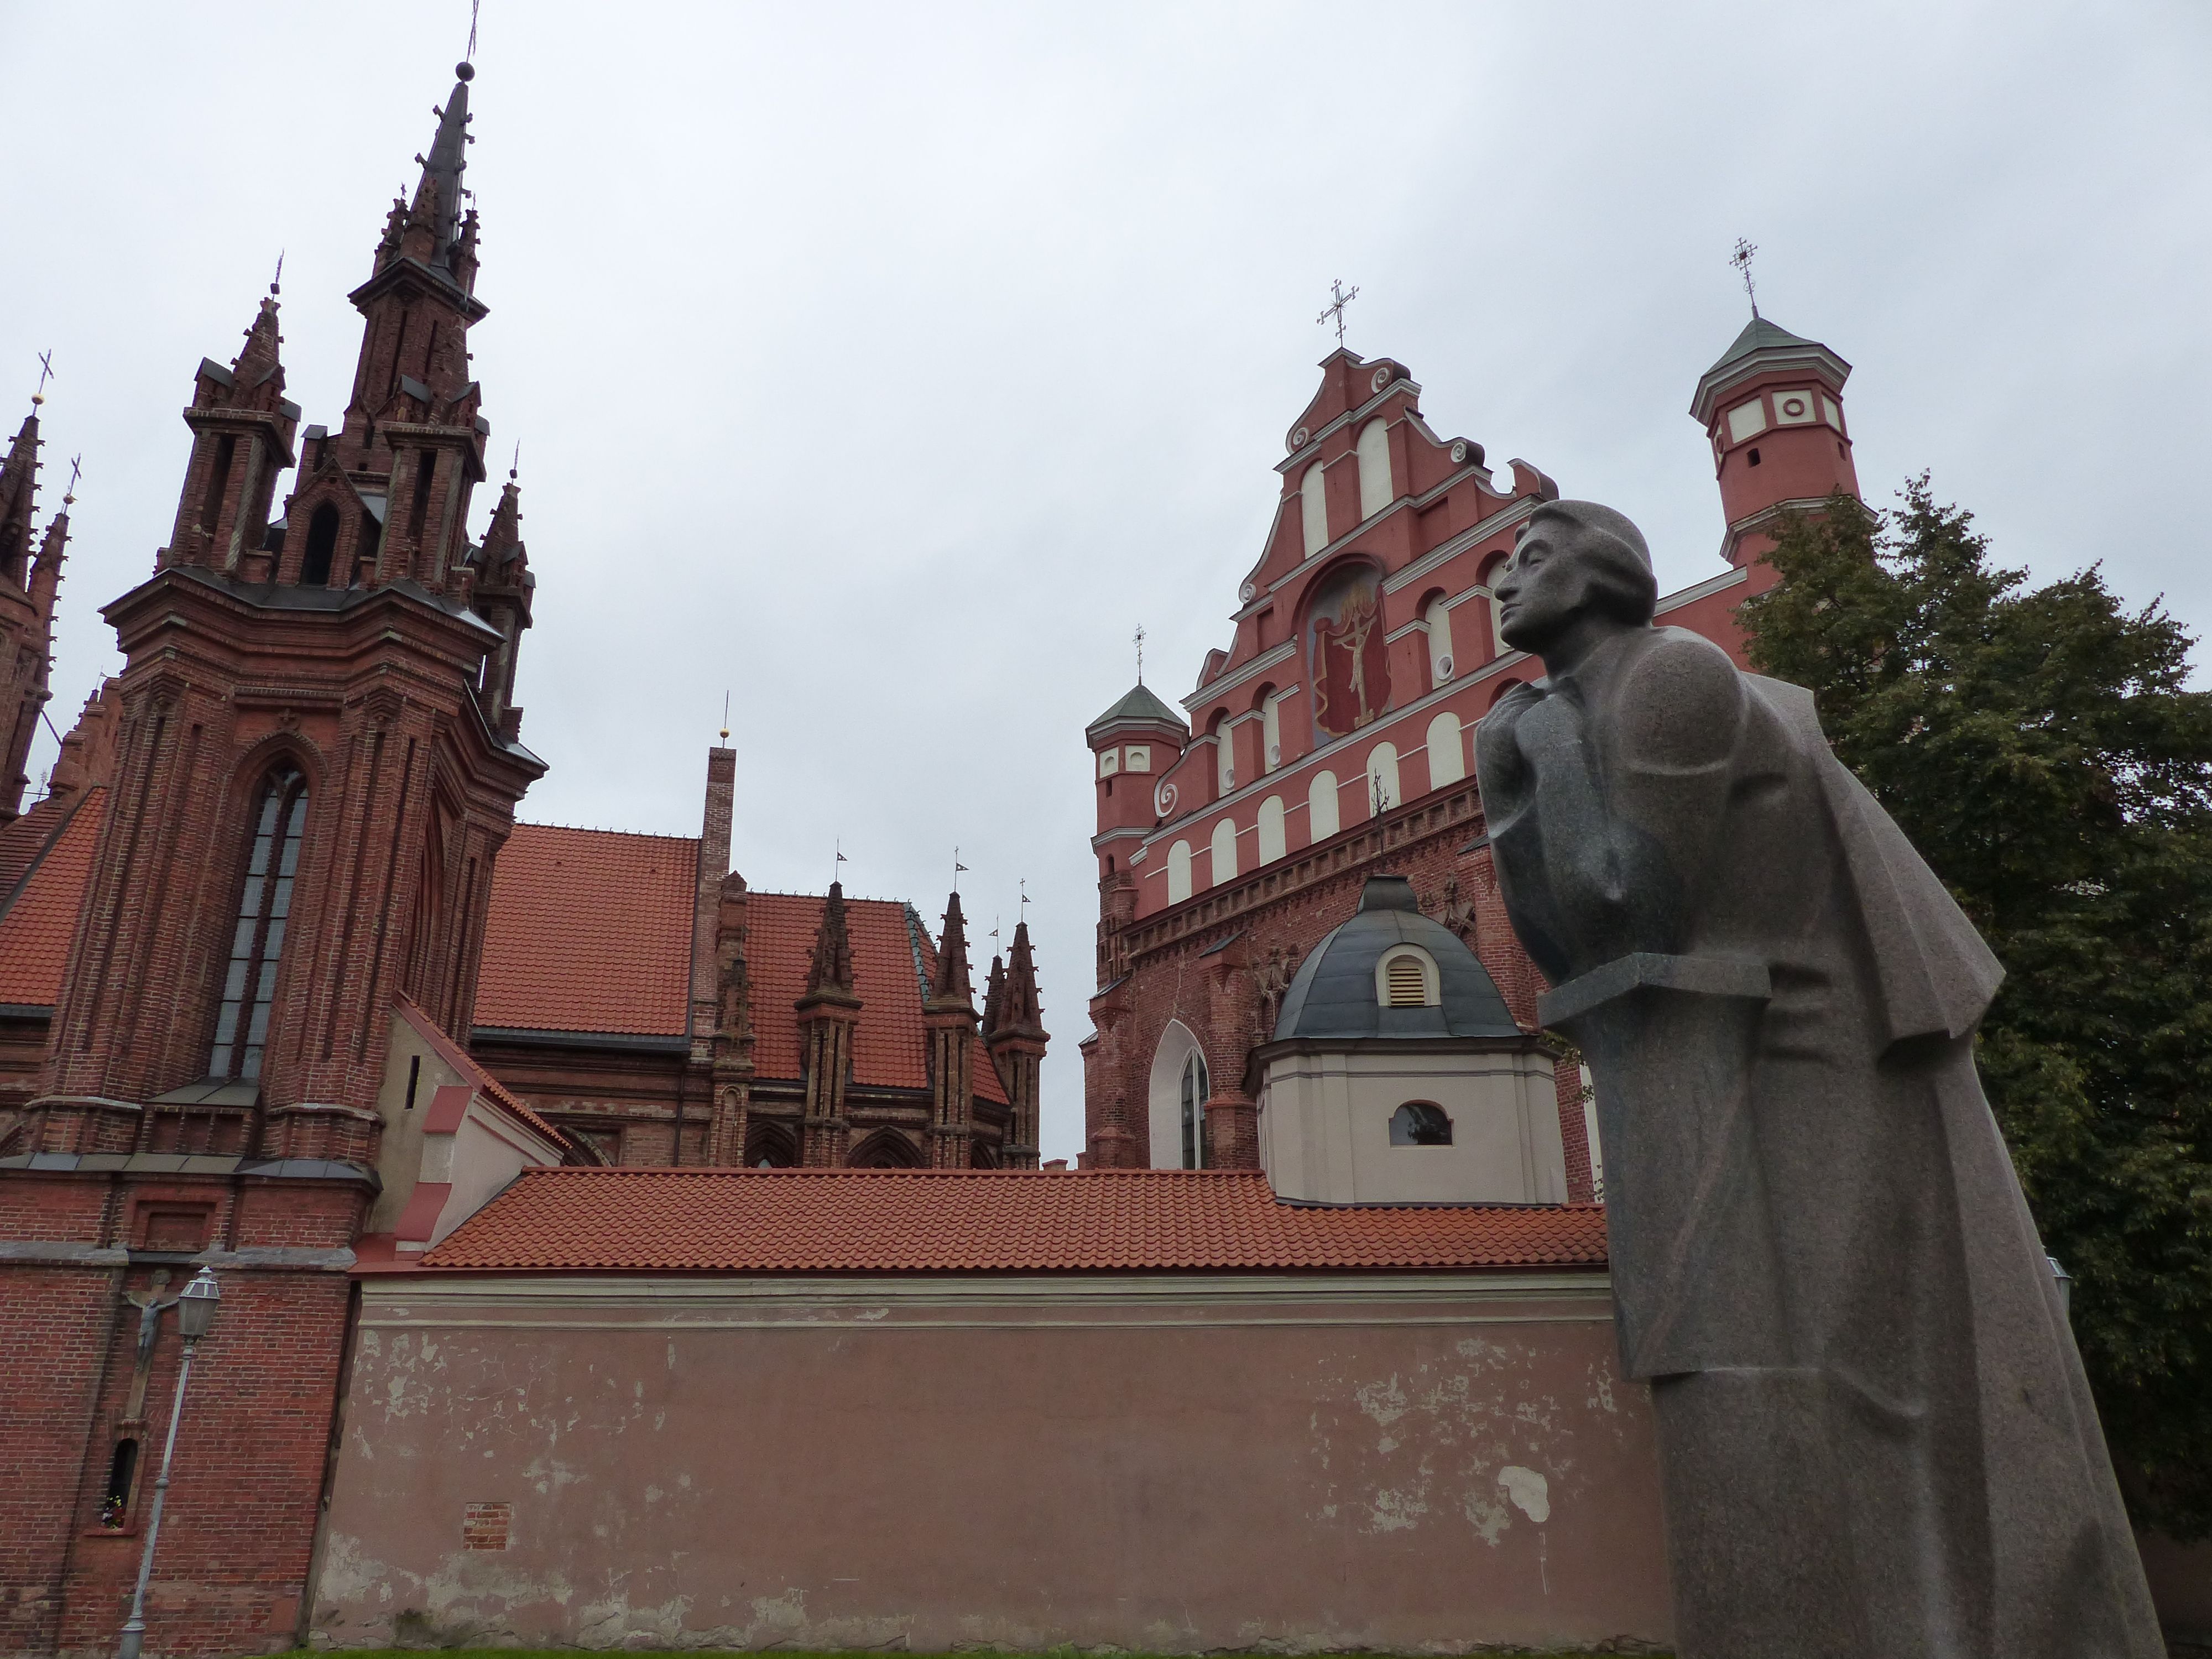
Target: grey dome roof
pixel 1333 994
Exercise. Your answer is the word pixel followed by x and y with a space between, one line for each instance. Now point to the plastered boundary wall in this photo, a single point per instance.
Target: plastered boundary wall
pixel 1169 1463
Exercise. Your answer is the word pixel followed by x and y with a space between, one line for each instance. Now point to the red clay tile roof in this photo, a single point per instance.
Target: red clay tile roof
pixel 37 927
pixel 769 1221
pixel 22 841
pixel 590 930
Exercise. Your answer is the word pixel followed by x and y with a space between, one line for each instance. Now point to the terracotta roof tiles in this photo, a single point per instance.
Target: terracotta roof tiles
pixel 770 1221
pixel 38 924
pixel 590 930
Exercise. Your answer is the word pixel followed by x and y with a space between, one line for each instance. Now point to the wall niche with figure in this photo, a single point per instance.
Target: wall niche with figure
pixel 1348 662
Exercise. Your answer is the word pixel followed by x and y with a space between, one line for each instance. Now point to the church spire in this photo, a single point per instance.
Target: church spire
pixel 1022 1011
pixel 27 609
pixel 953 982
pixel 436 232
pixel 832 969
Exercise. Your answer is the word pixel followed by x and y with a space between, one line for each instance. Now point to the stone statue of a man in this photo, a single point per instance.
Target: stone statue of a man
pixel 1874 1435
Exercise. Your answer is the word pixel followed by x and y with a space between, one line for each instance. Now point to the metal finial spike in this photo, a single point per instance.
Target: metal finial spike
pixel 464 70
pixel 276 282
pixel 1138 639
pixel 516 466
pixel 725 717
pixel 1340 299
pixel 1741 258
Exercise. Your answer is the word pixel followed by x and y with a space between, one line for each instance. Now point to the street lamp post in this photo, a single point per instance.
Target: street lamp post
pixel 195 1305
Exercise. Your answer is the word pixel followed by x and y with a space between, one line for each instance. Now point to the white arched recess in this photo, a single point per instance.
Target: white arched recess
pixel 1374 447
pixel 1273 843
pixel 1164 1114
pixel 1383 791
pixel 1178 873
pixel 1225 853
pixel 1313 503
pixel 1320 806
pixel 1437 617
pixel 1447 754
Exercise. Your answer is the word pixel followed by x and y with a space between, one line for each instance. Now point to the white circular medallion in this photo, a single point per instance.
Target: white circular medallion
pixel 1249 592
pixel 1459 452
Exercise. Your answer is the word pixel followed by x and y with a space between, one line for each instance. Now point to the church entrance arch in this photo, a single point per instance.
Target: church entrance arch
pixel 1176 1104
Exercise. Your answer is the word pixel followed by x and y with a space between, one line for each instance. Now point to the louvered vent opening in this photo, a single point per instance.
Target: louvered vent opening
pixel 1403 976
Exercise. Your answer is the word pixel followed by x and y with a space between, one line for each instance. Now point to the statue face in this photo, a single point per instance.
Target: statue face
pixel 1543 588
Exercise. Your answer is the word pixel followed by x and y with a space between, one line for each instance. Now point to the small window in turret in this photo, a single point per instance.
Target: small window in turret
pixel 1420 1123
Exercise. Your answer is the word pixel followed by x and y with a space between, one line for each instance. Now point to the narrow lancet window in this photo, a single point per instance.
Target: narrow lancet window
pixel 257 940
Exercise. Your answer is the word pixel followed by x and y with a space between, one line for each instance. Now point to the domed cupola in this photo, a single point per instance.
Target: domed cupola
pixel 1396 1076
pixel 1392 972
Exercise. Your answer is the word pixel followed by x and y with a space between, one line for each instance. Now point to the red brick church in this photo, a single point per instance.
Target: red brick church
pixel 612 1255
pixel 1331 740
pixel 281 976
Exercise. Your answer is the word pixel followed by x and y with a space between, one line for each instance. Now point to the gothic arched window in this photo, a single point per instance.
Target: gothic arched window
pixel 256 939
pixel 1195 1088
pixel 322 545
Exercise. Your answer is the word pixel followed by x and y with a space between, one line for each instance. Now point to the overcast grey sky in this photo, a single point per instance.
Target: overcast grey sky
pixel 887 365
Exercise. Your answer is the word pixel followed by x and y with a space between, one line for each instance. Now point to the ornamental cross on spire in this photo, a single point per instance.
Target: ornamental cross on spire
pixel 1335 308
pixel 45 373
pixel 1741 258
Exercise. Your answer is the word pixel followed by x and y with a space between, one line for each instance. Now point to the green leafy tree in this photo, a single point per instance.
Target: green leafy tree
pixel 2042 748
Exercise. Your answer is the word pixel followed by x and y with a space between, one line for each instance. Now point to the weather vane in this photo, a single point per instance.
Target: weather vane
pixel 838 846
pixel 1138 639
pixel 957 868
pixel 1336 308
pixel 1741 258
pixel 1025 899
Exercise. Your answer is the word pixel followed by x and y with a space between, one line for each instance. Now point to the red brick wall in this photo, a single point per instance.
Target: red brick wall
pixel 1296 902
pixel 252 1450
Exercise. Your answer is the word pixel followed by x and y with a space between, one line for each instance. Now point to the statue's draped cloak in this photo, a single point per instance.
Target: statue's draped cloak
pixel 1875 1433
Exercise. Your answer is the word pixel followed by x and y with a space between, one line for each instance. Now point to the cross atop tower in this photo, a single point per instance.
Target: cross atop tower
pixel 1741 258
pixel 1335 308
pixel 45 373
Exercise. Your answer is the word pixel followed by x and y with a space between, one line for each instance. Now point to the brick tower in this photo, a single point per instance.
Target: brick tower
pixel 27 609
pixel 319 757
pixel 1773 407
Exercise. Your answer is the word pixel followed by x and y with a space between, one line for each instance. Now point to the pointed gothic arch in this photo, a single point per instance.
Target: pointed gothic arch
pixel 770 1146
pixel 885 1149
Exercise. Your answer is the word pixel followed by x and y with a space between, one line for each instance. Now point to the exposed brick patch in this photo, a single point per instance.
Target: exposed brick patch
pixel 486 1526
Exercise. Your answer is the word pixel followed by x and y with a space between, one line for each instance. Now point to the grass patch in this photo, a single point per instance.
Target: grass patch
pixel 898 1653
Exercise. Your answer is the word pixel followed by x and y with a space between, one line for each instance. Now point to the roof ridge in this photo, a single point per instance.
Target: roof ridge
pixel 591 829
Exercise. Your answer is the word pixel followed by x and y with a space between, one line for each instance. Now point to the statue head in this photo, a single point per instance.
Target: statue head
pixel 1578 567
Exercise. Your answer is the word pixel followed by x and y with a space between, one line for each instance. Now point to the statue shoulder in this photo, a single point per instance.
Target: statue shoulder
pixel 1680 700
